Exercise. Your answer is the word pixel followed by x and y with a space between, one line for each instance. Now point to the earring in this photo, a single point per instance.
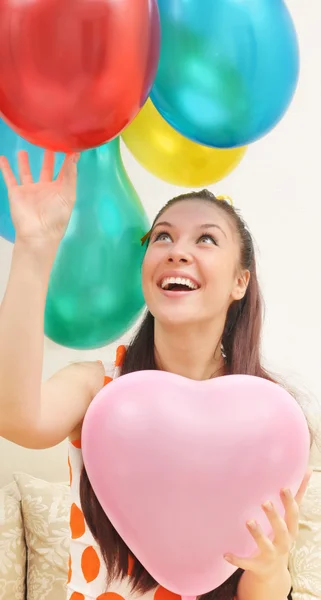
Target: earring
pixel 223 351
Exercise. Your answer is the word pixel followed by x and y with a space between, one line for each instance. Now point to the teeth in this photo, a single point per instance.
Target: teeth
pixel 178 280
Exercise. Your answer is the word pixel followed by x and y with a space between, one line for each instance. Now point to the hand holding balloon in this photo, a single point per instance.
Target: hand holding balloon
pixel 273 552
pixel 41 211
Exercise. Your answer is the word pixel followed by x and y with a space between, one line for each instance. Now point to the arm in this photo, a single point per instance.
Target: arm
pixel 276 587
pixel 32 414
pixel 242 585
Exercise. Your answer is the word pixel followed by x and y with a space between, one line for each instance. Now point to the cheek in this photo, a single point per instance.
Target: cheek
pixel 220 275
pixel 148 268
pixel 144 275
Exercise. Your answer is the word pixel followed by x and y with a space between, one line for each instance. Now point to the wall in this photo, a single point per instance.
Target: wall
pixel 278 191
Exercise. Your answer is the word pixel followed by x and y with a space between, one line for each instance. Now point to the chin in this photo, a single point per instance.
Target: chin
pixel 175 317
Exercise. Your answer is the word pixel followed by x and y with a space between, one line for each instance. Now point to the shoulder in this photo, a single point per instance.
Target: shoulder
pixel 112 371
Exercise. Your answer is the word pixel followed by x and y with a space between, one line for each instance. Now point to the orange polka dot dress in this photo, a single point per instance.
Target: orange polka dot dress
pixel 86 570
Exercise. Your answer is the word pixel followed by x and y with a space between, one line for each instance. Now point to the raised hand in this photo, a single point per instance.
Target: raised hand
pixel 41 210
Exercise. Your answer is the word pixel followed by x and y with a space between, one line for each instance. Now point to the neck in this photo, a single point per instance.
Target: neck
pixel 193 352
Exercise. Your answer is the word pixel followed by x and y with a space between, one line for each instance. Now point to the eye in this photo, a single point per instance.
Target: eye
pixel 162 236
pixel 208 239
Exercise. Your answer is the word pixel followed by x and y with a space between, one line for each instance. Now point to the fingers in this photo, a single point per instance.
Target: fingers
pixel 264 545
pixel 291 505
pixel 238 562
pixel 245 564
pixel 282 539
pixel 291 513
pixel 68 165
pixel 48 165
pixel 303 487
pixel 262 541
pixel 24 168
pixel 7 173
pixel 68 177
pixel 285 529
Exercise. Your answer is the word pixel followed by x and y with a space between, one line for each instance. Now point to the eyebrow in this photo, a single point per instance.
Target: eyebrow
pixel 203 226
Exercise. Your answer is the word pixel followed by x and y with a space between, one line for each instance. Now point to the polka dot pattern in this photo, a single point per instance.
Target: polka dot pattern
pixel 76 443
pixel 162 594
pixel 90 564
pixel 110 596
pixel 77 522
pixel 77 596
pixel 69 570
pixel 131 564
pixel 70 471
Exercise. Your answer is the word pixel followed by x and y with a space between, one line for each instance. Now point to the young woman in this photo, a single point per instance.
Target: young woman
pixel 203 320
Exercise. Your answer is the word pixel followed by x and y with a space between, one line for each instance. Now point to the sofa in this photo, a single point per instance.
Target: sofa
pixel 34 539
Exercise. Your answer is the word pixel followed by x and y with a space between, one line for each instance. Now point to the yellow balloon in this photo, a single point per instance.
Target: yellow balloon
pixel 172 157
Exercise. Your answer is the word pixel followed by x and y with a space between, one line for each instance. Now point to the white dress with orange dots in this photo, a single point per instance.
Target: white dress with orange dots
pixel 87 571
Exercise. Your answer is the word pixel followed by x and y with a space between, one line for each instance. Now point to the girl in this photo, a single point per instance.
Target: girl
pixel 203 320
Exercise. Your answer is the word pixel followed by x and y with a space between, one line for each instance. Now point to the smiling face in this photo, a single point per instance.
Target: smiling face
pixel 191 270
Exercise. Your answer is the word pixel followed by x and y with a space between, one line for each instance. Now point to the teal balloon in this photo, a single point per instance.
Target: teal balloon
pixel 95 291
pixel 10 144
pixel 228 69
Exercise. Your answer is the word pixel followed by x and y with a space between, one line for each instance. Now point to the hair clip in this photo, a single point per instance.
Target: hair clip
pixel 226 199
pixel 145 237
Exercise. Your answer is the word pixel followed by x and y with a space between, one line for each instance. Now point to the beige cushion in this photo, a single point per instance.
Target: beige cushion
pixel 45 509
pixel 12 545
pixel 305 563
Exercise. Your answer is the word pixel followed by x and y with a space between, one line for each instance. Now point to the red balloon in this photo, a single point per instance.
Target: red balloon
pixel 74 73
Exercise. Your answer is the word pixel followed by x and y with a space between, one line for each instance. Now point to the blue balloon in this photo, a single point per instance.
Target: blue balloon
pixel 228 68
pixel 10 144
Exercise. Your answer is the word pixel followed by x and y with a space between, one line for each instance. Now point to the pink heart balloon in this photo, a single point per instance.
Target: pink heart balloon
pixel 179 466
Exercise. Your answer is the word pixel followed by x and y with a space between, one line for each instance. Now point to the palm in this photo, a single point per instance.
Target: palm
pixel 38 209
pixel 41 209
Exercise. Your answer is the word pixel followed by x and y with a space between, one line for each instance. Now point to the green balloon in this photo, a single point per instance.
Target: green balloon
pixel 95 291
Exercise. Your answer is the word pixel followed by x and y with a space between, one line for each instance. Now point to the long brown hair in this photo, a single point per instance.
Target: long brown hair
pixel 241 341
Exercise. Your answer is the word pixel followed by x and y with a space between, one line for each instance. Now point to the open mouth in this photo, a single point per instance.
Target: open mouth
pixel 178 284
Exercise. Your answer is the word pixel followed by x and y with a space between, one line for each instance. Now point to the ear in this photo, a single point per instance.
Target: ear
pixel 241 284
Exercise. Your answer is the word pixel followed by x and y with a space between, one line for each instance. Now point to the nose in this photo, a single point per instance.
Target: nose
pixel 178 255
